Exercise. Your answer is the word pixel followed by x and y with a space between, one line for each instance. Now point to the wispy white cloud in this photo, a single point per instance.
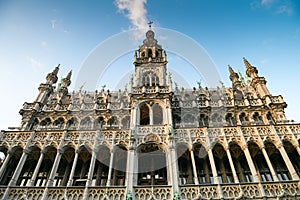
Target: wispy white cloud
pixel 274 6
pixel 53 23
pixel 266 2
pixel 285 9
pixel 135 11
pixel 35 64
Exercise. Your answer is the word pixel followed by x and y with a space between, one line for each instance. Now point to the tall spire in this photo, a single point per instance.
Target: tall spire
pixel 234 77
pixel 67 81
pixel 251 71
pixel 51 78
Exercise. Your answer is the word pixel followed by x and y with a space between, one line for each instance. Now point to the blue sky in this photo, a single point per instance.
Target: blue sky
pixel 37 35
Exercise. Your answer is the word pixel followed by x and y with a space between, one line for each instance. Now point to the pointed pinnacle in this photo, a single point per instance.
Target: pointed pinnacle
pixel 69 75
pixel 230 70
pixel 55 71
pixel 247 64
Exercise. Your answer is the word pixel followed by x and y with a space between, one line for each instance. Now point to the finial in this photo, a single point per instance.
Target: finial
pixel 150 24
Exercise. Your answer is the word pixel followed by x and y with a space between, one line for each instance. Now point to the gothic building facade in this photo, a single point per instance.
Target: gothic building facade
pixel 153 141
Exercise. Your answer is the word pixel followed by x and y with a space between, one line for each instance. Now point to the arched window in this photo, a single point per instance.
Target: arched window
pixel 149 53
pixel 34 124
pixel 98 123
pixel 257 118
pixel 203 120
pixel 230 120
pixel 216 120
pixel 85 123
pixel 82 167
pixel 240 163
pixel 64 168
pixel 72 123
pixel 260 162
pixel 277 162
pixel 119 166
pixel 154 80
pixel 270 118
pixel 222 164
pixel 144 115
pixel 100 176
pixel 243 118
pixel 126 122
pixel 203 166
pixel 157 114
pixel 12 163
pixel 189 120
pixel 29 166
pixel 184 165
pixel 46 122
pixel 113 122
pixel 59 123
pixel 46 166
pixel 293 155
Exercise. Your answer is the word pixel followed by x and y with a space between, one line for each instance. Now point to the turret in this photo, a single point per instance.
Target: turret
pixel 258 83
pixel 65 83
pixel 150 63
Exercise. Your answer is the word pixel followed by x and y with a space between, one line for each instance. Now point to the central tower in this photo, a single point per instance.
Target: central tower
pixel 150 63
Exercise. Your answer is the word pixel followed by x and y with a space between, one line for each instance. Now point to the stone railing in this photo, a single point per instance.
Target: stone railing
pixel 156 192
pixel 267 190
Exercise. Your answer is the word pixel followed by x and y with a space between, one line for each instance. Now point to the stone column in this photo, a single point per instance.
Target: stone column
pixel 37 168
pixel 288 163
pixel 250 163
pixel 130 169
pixel 213 166
pixel 91 169
pixel 151 115
pixel 111 162
pixel 70 182
pixel 273 173
pixel 173 167
pixel 196 181
pixel 19 168
pixel 298 149
pixel 90 175
pixel 214 172
pixel 235 177
pixel 16 173
pixel 54 167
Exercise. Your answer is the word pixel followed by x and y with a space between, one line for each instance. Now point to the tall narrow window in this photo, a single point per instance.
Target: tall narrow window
pixel 144 115
pixel 157 114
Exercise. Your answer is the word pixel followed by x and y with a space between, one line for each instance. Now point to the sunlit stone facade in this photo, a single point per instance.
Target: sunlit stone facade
pixel 152 140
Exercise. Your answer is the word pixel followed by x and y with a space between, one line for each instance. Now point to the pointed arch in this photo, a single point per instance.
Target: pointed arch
pixel 144 114
pixel 293 155
pixel 184 164
pixel 240 163
pixel 157 114
pixel 222 164
pixel 29 166
pixel 277 162
pixel 100 175
pixel 46 166
pixel 12 163
pixel 259 162
pixel 203 167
